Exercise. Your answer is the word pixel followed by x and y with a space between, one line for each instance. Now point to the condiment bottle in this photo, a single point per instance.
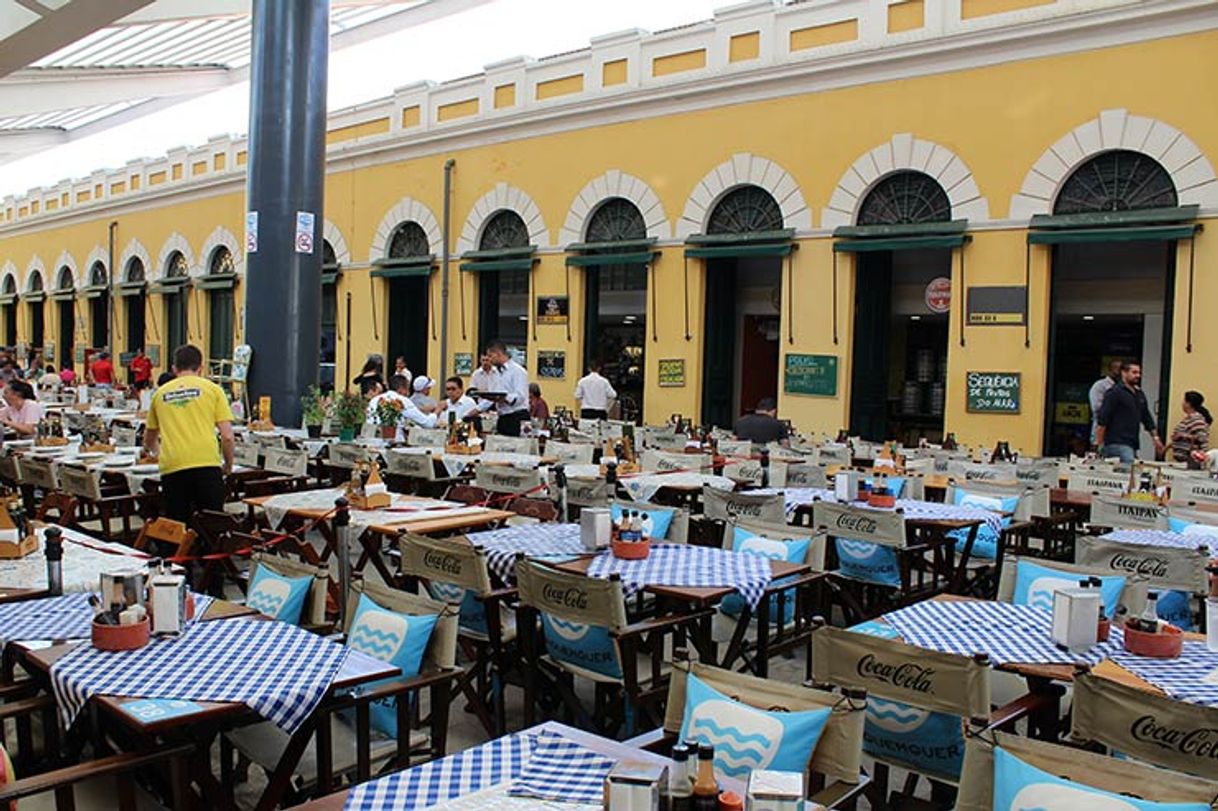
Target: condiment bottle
pixel 680 787
pixel 1148 623
pixel 706 788
pixel 54 556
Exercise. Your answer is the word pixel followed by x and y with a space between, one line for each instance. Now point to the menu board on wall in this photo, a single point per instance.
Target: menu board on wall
pixel 463 363
pixel 552 365
pixel 997 306
pixel 993 392
pixel 810 374
pixel 672 372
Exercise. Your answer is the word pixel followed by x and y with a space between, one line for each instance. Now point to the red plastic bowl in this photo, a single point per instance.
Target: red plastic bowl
pixel 1166 644
pixel 882 498
pixel 121 637
pixel 631 550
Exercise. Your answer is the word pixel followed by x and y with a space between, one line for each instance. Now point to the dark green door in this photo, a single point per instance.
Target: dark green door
pixel 488 308
pixel 220 345
pixel 135 322
pixel 99 320
pixel 175 322
pixel 67 331
pixel 872 323
pixel 408 322
pixel 719 344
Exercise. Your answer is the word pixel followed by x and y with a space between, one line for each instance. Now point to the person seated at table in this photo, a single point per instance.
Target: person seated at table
pixel 67 375
pixel 102 370
pixel 371 373
pixel 539 409
pixel 21 412
pixel 762 426
pixel 399 390
pixel 422 394
pixel 50 380
pixel 457 402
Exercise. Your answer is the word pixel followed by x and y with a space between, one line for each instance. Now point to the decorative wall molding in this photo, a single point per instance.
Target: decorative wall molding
pixel 135 248
pixel 1190 170
pixel 497 199
pixel 175 242
pixel 35 266
pixel 614 183
pixel 407 209
pixel 98 254
pixel 744 169
pixel 65 259
pixel 221 236
pixel 331 233
pixel 8 270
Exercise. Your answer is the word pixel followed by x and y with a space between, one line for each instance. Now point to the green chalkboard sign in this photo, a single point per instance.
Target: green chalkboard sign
pixel 811 374
pixel 993 392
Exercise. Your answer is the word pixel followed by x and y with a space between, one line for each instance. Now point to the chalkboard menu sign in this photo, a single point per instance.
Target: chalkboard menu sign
pixel 672 372
pixel 811 374
pixel 552 365
pixel 463 363
pixel 993 392
pixel 553 309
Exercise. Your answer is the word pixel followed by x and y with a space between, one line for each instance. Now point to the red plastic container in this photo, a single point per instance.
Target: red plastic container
pixel 1166 644
pixel 882 497
pixel 631 550
pixel 1103 629
pixel 121 637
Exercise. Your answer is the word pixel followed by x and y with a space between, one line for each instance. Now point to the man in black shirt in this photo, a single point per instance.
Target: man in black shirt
pixel 762 426
pixel 1123 413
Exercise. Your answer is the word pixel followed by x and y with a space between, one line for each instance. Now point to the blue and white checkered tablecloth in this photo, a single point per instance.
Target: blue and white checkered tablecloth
pixel 681 565
pixel 66 617
pixel 440 780
pixel 561 769
pixel 278 670
pixel 1009 634
pixel 914 510
pixel 1192 676
pixel 1159 537
pixel 535 540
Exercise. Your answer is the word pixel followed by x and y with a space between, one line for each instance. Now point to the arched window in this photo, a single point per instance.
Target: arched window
pixel 135 303
pixel 10 286
pixel 35 283
pixel 177 313
pixel 615 220
pixel 1120 180
pixel 221 262
pixel 175 265
pixel 37 319
pixel 905 198
pixel 99 306
pixel 408 239
pixel 505 229
pixel 220 306
pixel 329 315
pixel 98 276
pixel 65 280
pixel 135 269
pixel 328 258
pixel 10 311
pixel 745 210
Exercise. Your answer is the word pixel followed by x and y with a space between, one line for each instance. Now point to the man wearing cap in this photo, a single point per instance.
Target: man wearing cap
pixel 399 386
pixel 422 394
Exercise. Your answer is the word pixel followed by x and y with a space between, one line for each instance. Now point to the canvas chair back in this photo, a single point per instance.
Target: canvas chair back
pixel 286 462
pixel 247 453
pixel 78 482
pixel 976 471
pixel 802 474
pixel 592 428
pixel 859 523
pixel 750 472
pixel 410 465
pixel 678 530
pixel 441 653
pixel 571 597
pixel 347 455
pixel 1034 500
pixel 1038 471
pixel 496 443
pixel 37 473
pixel 660 462
pixel 586 492
pixel 779 532
pixel 1193 514
pixel 1119 776
pixel 124 436
pixel 8 468
pixel 1127 513
pixel 834 453
pixel 1165 567
pixel 665 441
pixel 269 440
pixel 736 447
pixel 453 561
pixel 838 754
pixel 502 479
pixel 1148 726
pixel 1095 480
pixel 426 437
pixel 915 487
pixel 314 611
pixel 924 465
pixel 569 453
pixel 893 670
pixel 724 506
pixel 1200 489
pixel 1133 597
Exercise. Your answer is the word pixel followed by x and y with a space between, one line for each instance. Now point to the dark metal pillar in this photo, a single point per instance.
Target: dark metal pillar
pixel 286 175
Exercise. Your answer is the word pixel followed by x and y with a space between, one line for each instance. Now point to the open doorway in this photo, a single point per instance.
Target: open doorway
pixel 504 283
pixel 407 271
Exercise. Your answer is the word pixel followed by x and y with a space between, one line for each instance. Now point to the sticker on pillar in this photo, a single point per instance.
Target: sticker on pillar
pixel 251 232
pixel 305 220
pixel 463 363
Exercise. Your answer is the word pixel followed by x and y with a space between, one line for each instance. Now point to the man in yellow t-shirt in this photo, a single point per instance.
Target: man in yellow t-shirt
pixel 181 432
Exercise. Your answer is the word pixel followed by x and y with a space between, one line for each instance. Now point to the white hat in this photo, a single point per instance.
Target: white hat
pixel 423 383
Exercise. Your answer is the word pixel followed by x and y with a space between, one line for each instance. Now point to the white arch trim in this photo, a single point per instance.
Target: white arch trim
pixel 221 236
pixel 330 233
pixel 176 242
pixel 98 254
pixel 1190 170
pixel 135 249
pixel 407 209
pixel 497 199
pixel 36 265
pixel 744 169
pixel 8 270
pixel 614 183
pixel 905 152
pixel 65 259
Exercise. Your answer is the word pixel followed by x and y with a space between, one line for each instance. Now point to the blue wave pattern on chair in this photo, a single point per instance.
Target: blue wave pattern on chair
pixel 1020 786
pixel 869 562
pixel 472 610
pixel 1175 607
pixel 985 545
pixel 897 732
pixel 400 639
pixel 280 598
pixel 792 550
pixel 1035 584
pixel 582 645
pixel 656 520
pixel 746 738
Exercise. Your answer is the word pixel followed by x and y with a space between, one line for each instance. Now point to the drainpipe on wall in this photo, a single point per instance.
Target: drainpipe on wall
pixel 444 260
pixel 110 292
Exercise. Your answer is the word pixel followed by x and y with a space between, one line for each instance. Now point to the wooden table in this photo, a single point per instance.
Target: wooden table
pixel 614 750
pixel 199 727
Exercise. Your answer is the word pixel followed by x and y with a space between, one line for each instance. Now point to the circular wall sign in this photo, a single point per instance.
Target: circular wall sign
pixel 939 295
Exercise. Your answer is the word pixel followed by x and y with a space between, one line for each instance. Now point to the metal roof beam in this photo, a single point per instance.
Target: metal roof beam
pixel 29 92
pixel 60 28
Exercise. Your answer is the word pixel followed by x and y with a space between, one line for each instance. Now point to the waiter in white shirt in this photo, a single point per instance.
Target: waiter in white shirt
pixel 485 378
pixel 594 394
pixel 399 389
pixel 513 406
pixel 456 402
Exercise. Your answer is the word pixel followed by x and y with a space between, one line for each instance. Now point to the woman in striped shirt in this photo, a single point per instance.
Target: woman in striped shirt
pixel 1193 432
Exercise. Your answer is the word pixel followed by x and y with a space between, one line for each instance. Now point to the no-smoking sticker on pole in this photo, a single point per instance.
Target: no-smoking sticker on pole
pixel 304 231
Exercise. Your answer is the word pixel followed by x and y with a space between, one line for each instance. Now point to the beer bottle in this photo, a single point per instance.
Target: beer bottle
pixel 706 788
pixel 1148 623
pixel 680 788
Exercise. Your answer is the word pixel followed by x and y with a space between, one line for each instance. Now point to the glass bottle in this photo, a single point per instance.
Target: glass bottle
pixel 1148 623
pixel 706 788
pixel 680 787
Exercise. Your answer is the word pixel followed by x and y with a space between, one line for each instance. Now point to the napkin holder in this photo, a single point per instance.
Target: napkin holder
pixel 595 528
pixel 846 485
pixel 774 791
pixel 166 596
pixel 636 786
pixel 1074 618
pixel 370 493
pixel 12 545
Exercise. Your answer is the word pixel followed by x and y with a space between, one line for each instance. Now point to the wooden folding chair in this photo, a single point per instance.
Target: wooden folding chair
pixel 162 535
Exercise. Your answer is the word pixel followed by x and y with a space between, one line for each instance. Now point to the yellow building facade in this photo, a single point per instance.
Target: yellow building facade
pixel 870 151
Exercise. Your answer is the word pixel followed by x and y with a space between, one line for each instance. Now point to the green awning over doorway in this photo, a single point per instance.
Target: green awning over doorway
pixel 899 243
pixel 499 260
pixel 1145 233
pixel 217 281
pixel 900 237
pixel 738 251
pixel 131 289
pixel 601 259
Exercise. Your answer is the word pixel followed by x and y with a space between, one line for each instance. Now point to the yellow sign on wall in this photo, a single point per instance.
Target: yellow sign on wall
pixel 672 372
